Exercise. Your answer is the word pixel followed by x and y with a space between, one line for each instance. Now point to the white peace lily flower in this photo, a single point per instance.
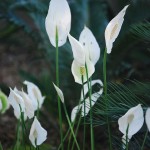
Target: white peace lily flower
pixel 37 133
pixel 34 94
pixel 90 45
pixel 74 112
pixel 59 16
pixel 94 97
pixel 147 118
pixel 113 29
pixel 133 120
pixel 78 66
pixel 17 102
pixel 59 92
pixel 4 104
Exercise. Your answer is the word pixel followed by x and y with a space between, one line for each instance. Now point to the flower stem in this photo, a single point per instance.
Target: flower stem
pixel 57 83
pixel 106 101
pixel 71 127
pixel 91 113
pixel 142 148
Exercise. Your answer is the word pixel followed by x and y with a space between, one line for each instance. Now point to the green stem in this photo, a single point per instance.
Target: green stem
pixel 84 132
pixel 127 146
pixel 142 148
pixel 71 127
pixel 106 101
pixel 57 83
pixel 91 113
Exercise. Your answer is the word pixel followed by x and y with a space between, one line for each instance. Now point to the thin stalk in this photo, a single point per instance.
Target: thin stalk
pixel 142 148
pixel 84 132
pixel 71 127
pixel 76 132
pixel 57 83
pixel 23 130
pixel 106 101
pixel 127 145
pixel 91 113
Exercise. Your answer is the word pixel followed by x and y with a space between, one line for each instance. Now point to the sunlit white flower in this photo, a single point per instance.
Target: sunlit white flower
pixel 34 94
pixel 78 66
pixel 17 102
pixel 132 121
pixel 90 45
pixel 59 16
pixel 4 104
pixel 37 133
pixel 94 97
pixel 113 29
pixel 59 92
pixel 147 118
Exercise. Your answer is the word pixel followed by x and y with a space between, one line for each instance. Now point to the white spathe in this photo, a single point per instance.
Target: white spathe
pixel 59 16
pixel 78 51
pixel 60 93
pixel 147 118
pixel 133 120
pixel 34 94
pixel 78 66
pixel 17 102
pixel 76 71
pixel 113 29
pixel 90 45
pixel 37 133
pixel 94 97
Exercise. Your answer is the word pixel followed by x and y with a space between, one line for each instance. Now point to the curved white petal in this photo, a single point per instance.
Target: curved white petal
pixel 134 118
pixel 35 94
pixel 16 101
pixel 29 109
pixel 94 98
pixel 113 29
pixel 90 45
pixel 37 133
pixel 74 112
pixel 76 71
pixel 78 51
pixel 147 118
pixel 59 92
pixel 59 16
pixel 93 82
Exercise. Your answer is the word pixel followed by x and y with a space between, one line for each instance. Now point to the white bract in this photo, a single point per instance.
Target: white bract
pixel 60 93
pixel 94 97
pixel 90 45
pixel 17 102
pixel 34 94
pixel 133 121
pixel 37 133
pixel 78 66
pixel 147 119
pixel 59 16
pixel 113 29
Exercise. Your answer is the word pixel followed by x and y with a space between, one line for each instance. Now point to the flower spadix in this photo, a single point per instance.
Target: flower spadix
pixel 133 121
pixel 17 102
pixel 113 29
pixel 90 45
pixel 34 94
pixel 78 65
pixel 59 92
pixel 4 105
pixel 147 118
pixel 58 17
pixel 37 133
pixel 94 98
